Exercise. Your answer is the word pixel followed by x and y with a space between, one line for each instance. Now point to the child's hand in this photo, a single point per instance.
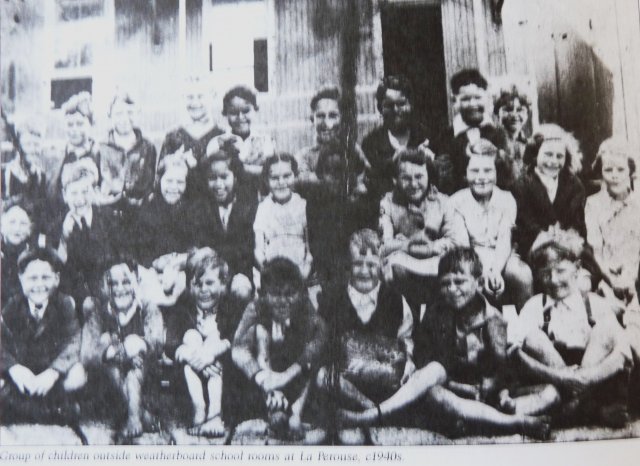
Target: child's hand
pixel 409 369
pixel 44 382
pixel 212 370
pixel 276 401
pixel 184 354
pixel 68 225
pixel 494 283
pixel 22 377
pixel 278 331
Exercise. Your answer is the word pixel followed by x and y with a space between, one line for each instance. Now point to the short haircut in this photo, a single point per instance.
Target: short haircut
pixel 364 240
pixel 276 158
pixel 120 96
pixel 79 103
pixel 416 157
pixel 328 92
pixel 79 170
pixel 203 259
pixel 20 202
pixel 224 155
pixel 45 254
pixel 112 261
pixel 615 147
pixel 168 163
pixel 466 77
pixel 567 245
pixel 454 260
pixel 279 272
pixel 481 148
pixel 554 132
pixel 395 82
pixel 507 94
pixel 244 92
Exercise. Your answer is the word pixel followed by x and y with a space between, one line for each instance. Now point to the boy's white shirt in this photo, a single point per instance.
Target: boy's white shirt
pixel 225 213
pixel 38 314
pixel 365 304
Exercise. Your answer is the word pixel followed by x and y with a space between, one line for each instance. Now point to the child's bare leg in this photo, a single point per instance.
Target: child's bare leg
pixel 478 415
pixel 414 389
pixel 532 400
pixel 135 349
pixel 213 426
pixel 196 393
pixel 263 338
pixel 297 409
pixel 519 281
pixel 540 347
pixel 348 392
pixel 601 343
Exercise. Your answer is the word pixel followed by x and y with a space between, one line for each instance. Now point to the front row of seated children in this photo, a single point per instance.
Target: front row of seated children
pixel 447 368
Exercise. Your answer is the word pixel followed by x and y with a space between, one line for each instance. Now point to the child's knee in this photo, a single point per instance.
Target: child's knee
pixel 75 379
pixel 518 272
pixel 322 378
pixel 134 346
pixel 535 341
pixel 434 373
pixel 602 337
pixel 192 338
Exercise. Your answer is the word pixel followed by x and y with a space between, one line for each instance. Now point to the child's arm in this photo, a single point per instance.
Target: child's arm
pixel 452 233
pixel 244 343
pixel 390 241
pixel 263 339
pixel 404 336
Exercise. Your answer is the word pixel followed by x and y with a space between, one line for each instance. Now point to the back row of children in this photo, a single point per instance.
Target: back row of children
pixel 413 306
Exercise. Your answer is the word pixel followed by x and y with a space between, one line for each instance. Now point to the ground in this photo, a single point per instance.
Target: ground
pixel 254 433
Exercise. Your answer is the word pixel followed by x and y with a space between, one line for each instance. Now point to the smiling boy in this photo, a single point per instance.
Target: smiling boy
pixel 121 336
pixel 40 348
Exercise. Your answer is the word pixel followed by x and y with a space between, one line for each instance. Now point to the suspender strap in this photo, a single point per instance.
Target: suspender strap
pixel 587 306
pixel 546 315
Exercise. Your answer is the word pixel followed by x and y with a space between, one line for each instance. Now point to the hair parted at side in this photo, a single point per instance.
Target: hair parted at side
pixel 326 92
pixel 277 158
pixel 199 260
pixel 85 168
pixel 460 260
pixel 567 244
pixel 45 254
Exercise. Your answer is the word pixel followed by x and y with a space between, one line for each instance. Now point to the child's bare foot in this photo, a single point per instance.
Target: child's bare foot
pixel 149 422
pixel 199 416
pixel 213 427
pixel 614 415
pixel 505 402
pixel 536 427
pixel 132 429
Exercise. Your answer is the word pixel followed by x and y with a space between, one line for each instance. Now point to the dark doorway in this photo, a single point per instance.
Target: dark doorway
pixel 412 45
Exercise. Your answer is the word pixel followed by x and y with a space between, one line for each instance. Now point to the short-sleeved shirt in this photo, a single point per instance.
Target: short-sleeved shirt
pixel 485 224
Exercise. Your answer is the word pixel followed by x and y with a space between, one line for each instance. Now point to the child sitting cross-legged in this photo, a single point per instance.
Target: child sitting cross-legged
pixel 122 336
pixel 40 345
pixel 200 328
pixel 460 350
pixel 280 343
pixel 572 339
pixel 373 348
pixel 489 215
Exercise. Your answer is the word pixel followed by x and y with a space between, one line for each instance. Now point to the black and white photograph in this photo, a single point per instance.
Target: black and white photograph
pixel 319 222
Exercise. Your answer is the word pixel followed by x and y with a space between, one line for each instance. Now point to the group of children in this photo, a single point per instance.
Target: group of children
pixel 368 279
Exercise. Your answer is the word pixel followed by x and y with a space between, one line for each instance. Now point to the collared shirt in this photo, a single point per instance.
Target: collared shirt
pixel 365 305
pixel 38 311
pixel 87 216
pixel 550 184
pixel 225 212
pixel 473 134
pixel 395 143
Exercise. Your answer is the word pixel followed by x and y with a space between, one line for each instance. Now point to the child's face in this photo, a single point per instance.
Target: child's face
pixel 78 195
pixel 221 182
pixel 513 116
pixel 326 120
pixel 195 100
pixel 78 127
pixel 551 157
pixel 239 116
pixel 121 117
pixel 15 225
pixel 559 277
pixel 615 173
pixel 365 271
pixel 281 302
pixel 413 181
pixel 458 289
pixel 173 184
pixel 122 287
pixel 481 175
pixel 208 290
pixel 39 281
pixel 281 180
pixel 470 103
pixel 31 145
pixel 396 110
